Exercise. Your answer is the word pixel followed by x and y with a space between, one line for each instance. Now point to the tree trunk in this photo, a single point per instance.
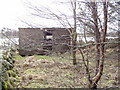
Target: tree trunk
pixel 92 85
pixel 99 48
pixel 119 56
pixel 97 32
pixel 74 35
pixel 74 52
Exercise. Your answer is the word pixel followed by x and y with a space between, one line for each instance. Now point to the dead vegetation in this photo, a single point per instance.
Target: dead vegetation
pixel 52 72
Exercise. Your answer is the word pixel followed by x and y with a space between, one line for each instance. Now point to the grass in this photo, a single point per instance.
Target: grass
pixel 18 57
pixel 38 85
pixel 30 71
pixel 63 73
pixel 56 58
pixel 42 57
pixel 34 85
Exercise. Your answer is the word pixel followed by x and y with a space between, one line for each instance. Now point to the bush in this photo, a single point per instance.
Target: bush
pixel 7 68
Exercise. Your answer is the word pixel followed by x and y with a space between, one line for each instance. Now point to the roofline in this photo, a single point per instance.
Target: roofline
pixel 46 28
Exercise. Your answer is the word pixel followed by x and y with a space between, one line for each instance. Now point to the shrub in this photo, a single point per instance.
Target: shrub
pixel 7 68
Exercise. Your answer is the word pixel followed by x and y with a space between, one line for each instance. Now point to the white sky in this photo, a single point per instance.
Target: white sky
pixel 11 11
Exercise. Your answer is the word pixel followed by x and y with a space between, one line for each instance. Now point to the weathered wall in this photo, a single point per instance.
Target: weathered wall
pixel 61 40
pixel 32 41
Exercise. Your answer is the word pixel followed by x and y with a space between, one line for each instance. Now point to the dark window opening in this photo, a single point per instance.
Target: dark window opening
pixel 48 36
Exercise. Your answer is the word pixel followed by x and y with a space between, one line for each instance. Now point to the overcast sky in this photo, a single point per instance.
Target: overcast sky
pixel 13 11
pixel 10 11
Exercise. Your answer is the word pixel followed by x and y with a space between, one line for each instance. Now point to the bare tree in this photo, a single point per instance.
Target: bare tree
pixel 74 33
pixel 63 20
pixel 95 25
pixel 99 31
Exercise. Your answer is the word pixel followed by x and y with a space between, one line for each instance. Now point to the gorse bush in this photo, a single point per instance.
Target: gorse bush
pixel 7 71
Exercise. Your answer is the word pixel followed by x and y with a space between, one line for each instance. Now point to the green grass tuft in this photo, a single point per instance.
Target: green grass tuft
pixel 18 57
pixel 42 57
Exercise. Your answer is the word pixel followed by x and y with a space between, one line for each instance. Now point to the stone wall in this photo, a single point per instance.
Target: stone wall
pixel 61 40
pixel 33 40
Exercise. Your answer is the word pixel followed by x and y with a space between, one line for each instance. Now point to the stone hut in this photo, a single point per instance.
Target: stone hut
pixel 43 41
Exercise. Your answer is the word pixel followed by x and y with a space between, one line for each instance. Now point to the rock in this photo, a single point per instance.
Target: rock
pixel 38 77
pixel 66 67
pixel 26 64
pixel 23 78
pixel 30 59
pixel 30 77
pixel 44 61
